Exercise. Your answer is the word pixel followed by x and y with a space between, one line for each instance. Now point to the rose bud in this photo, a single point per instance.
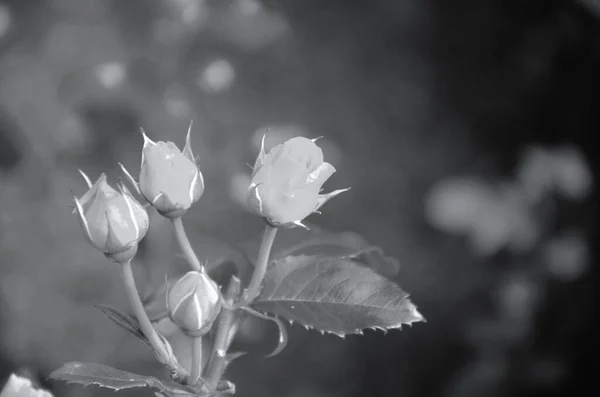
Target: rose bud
pixel 169 178
pixel 194 303
pixel 286 182
pixel 113 222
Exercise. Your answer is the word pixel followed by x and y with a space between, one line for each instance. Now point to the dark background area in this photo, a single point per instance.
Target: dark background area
pixel 465 129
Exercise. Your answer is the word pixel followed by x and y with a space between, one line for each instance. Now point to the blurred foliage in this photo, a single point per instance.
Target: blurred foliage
pixel 427 108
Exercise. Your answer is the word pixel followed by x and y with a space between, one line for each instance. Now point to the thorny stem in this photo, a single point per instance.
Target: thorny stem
pixel 185 245
pixel 138 309
pixel 196 360
pixel 225 332
pixel 261 266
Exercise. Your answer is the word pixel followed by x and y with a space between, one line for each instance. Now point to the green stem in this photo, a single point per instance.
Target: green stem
pixel 224 336
pixel 185 245
pixel 261 266
pixel 196 360
pixel 138 309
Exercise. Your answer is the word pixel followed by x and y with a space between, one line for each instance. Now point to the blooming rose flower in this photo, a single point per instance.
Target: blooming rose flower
pixel 286 182
pixel 194 302
pixel 113 222
pixel 169 178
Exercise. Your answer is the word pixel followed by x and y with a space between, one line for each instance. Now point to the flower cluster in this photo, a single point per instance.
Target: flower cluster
pixel 285 189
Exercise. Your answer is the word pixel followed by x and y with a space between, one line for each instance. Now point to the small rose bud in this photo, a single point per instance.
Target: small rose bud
pixel 169 178
pixel 286 182
pixel 113 222
pixel 194 302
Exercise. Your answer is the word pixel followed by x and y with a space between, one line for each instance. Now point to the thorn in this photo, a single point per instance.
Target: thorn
pixel 317 138
pixel 87 179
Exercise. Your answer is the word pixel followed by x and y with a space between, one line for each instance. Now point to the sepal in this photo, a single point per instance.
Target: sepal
pixel 323 198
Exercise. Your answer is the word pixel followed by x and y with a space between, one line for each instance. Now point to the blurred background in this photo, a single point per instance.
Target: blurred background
pixel 464 128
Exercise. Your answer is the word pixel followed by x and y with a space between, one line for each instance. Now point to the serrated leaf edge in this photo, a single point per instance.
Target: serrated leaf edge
pixel 359 331
pixel 417 316
pixel 149 382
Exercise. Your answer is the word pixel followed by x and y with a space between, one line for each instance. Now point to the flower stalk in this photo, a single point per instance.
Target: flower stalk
pixel 196 360
pixel 185 245
pixel 224 336
pixel 284 190
pixel 138 309
pixel 261 266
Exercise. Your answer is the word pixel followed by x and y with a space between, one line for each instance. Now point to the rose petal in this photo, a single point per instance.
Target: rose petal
pixel 320 175
pixel 137 212
pixel 281 171
pixel 286 182
pixel 124 229
pixel 193 302
pixel 197 186
pixel 168 171
pixel 304 151
pixel 162 204
pixel 95 215
pixel 88 196
pixel 287 208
